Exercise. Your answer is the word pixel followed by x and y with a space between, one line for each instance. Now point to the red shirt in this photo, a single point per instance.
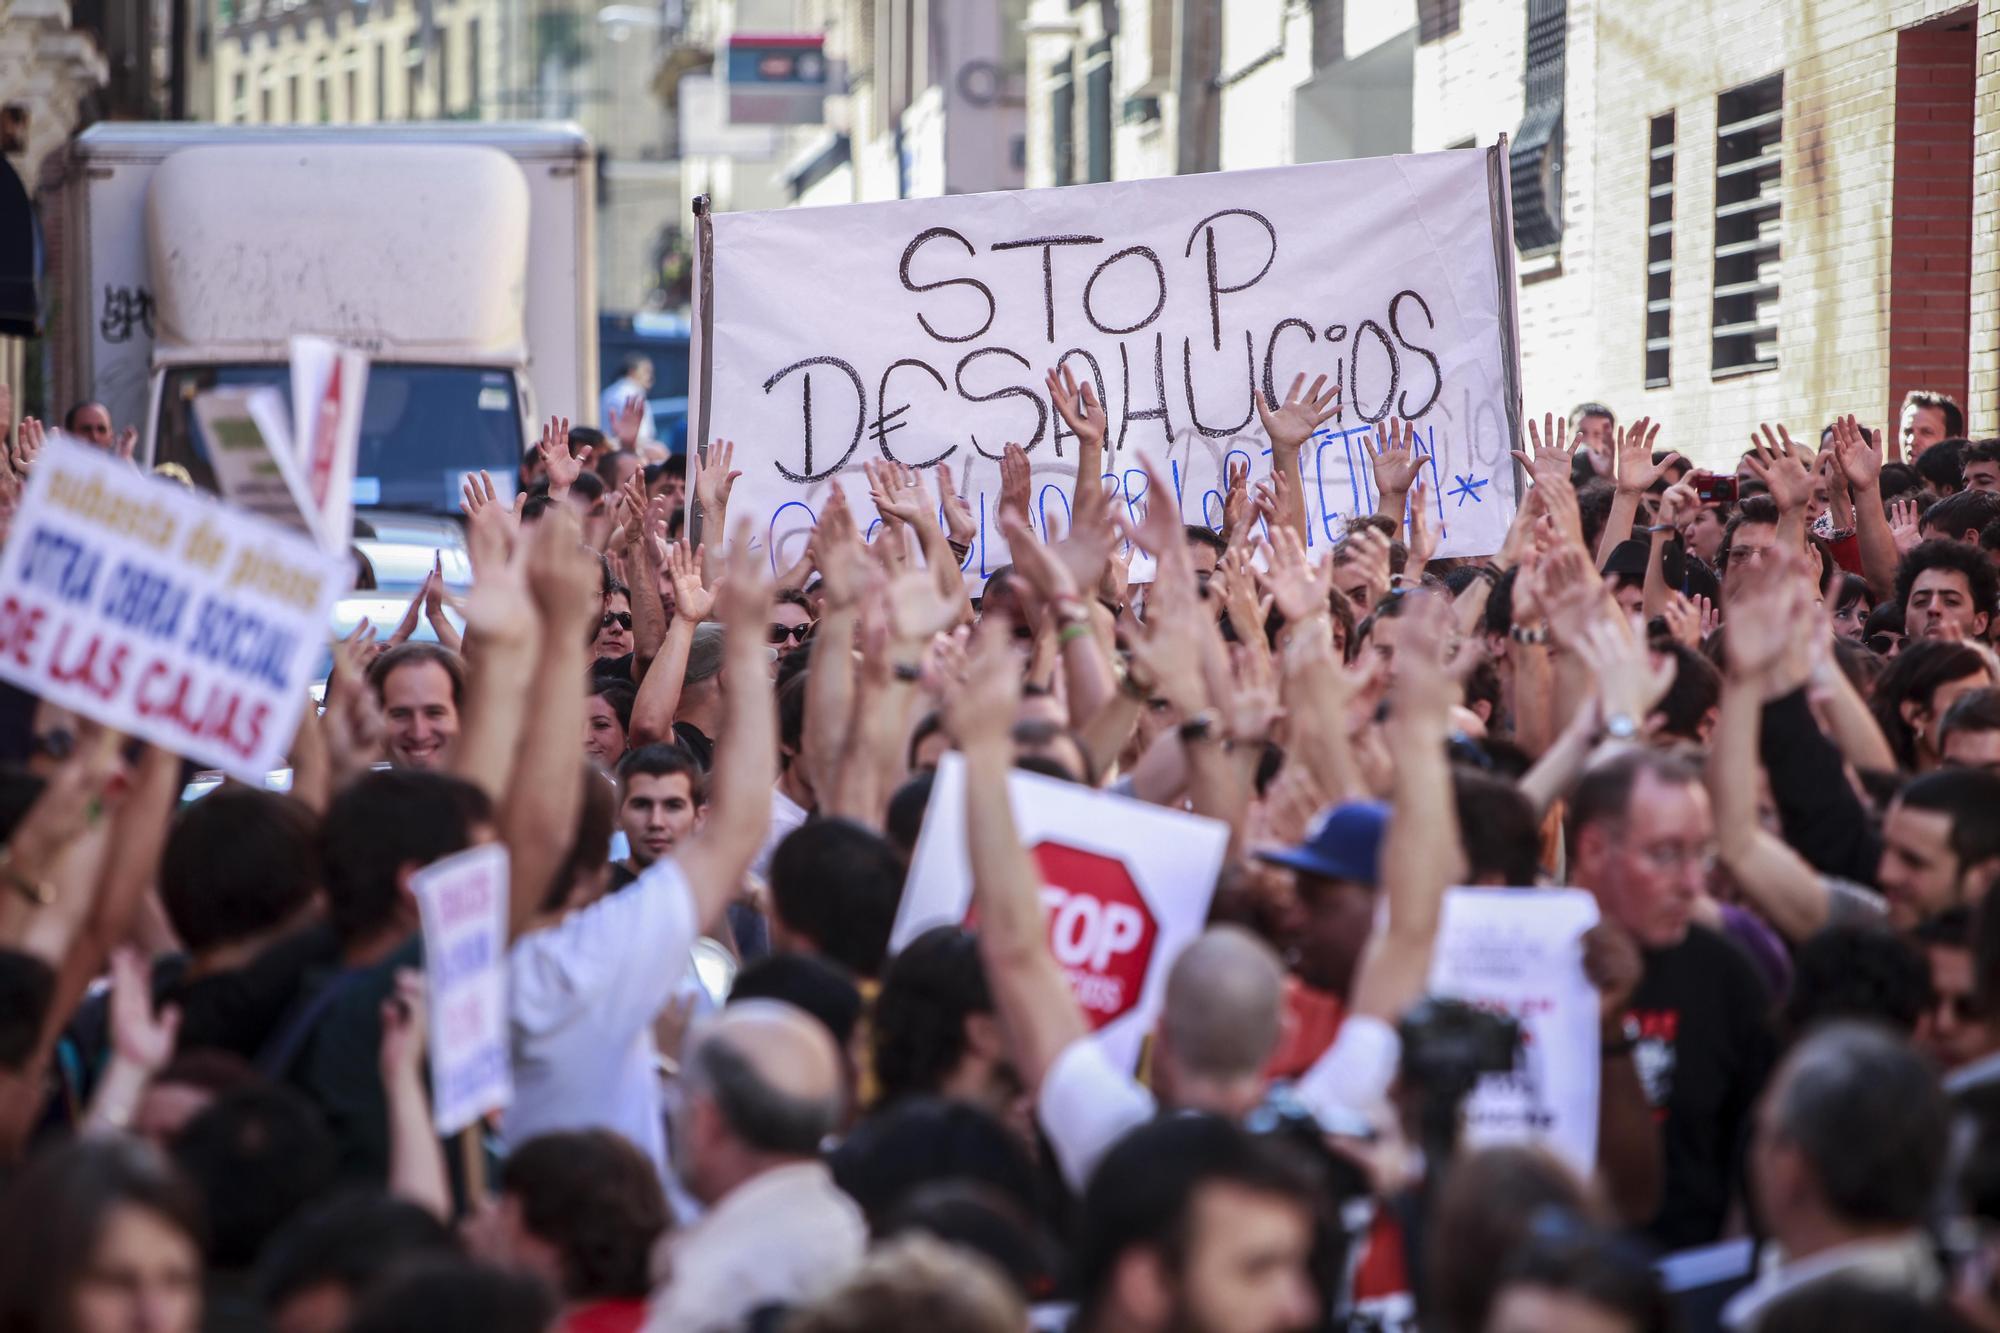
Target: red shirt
pixel 607 1317
pixel 1312 1021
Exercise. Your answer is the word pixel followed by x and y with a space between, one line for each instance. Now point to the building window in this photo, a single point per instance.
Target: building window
pixel 1660 252
pixel 413 76
pixel 474 94
pixel 1535 158
pixel 1097 111
pixel 381 81
pixel 293 107
pixel 1062 120
pixel 323 94
pixel 1749 157
pixel 351 90
pixel 443 71
pixel 266 112
pixel 1436 19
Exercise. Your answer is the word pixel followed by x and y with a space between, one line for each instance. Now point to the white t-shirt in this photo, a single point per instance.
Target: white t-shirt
pixel 786 815
pixel 581 998
pixel 1086 1103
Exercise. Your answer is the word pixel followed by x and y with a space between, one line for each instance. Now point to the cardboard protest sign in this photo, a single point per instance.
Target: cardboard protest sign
pixel 162 612
pixel 462 901
pixel 329 384
pixel 248 442
pixel 1520 951
pixel 1125 887
pixel 920 331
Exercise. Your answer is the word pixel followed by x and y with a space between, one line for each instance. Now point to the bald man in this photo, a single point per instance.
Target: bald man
pixel 761 1088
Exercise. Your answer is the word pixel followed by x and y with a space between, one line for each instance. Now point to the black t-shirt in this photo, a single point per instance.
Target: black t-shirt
pixel 692 739
pixel 1705 1049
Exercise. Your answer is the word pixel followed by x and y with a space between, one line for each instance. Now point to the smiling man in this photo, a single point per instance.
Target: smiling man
pixel 420 687
pixel 1642 841
pixel 661 794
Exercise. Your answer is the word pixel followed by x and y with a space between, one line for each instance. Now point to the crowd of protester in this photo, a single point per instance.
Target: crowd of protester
pixel 1755 714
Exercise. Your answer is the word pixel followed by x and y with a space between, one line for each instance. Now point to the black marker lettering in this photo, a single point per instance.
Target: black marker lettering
pixel 1354 371
pixel 1159 413
pixel 1061 431
pixel 1215 287
pixel 1336 333
pixel 903 272
pixel 1271 353
pixel 1048 244
pixel 1006 391
pixel 1159 276
pixel 1437 373
pixel 885 418
pixel 860 416
pixel 1249 380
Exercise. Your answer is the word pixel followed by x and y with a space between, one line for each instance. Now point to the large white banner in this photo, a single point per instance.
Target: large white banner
pixel 162 612
pixel 921 331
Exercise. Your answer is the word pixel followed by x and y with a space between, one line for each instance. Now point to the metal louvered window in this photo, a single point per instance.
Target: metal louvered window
pixel 1749 164
pixel 1535 157
pixel 1660 252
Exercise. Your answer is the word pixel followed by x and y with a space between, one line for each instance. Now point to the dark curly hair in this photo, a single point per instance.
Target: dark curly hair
pixel 928 991
pixel 597 1200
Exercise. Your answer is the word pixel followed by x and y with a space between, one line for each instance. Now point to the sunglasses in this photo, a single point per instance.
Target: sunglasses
pixel 1883 643
pixel 622 619
pixel 781 633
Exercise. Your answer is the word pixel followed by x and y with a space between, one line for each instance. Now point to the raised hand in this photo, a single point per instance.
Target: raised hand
pixel 1905 524
pixel 1860 461
pixel 126 444
pixel 1274 500
pixel 1086 549
pixel 1783 467
pixel 1770 606
pixel 562 466
pixel 1048 576
pixel 28 441
pixel 1016 480
pixel 1079 407
pixel 1250 707
pixel 1678 503
pixel 405 1028
pixel 917 609
pixel 139 1036
pixel 1236 507
pixel 980 711
pixel 1631 680
pixel 1427 680
pixel 1298 589
pixel 694 600
pixel 1361 568
pixel 715 479
pixel 898 492
pixel 1302 413
pixel 1632 458
pixel 631 418
pixel 1572 594
pixel 1396 459
pixel 1424 535
pixel 743 600
pixel 959 525
pixel 838 553
pixel 1548 445
pixel 563 576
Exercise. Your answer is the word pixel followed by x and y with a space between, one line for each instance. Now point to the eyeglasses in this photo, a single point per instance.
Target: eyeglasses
pixel 622 619
pixel 1669 857
pixel 778 634
pixel 1739 553
pixel 1883 643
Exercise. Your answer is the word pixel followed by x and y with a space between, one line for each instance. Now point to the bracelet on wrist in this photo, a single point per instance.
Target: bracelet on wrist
pixel 1535 636
pixel 1070 633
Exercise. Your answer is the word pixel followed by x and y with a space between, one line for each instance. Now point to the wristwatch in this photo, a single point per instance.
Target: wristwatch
pixel 1621 727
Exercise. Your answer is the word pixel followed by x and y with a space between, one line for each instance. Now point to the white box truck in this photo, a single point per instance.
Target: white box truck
pixel 457 255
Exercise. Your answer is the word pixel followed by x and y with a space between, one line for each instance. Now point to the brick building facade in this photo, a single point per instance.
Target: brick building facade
pixel 1748 211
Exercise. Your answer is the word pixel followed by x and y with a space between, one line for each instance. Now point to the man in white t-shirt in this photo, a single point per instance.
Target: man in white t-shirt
pixel 1226 987
pixel 585 987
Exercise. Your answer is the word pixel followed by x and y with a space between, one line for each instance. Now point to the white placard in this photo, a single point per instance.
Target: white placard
pixel 463 903
pixel 162 612
pixel 248 442
pixel 920 330
pixel 329 385
pixel 1520 951
pixel 1125 887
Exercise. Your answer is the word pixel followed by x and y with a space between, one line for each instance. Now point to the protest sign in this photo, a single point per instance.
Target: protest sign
pixel 1125 887
pixel 462 901
pixel 1519 951
pixel 920 331
pixel 329 385
pixel 249 445
pixel 162 612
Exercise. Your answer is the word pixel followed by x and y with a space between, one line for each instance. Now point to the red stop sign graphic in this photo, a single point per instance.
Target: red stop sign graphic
pixel 1100 929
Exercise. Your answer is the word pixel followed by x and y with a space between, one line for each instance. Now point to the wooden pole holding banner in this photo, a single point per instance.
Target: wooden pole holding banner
pixel 1500 189
pixel 703 376
pixel 472 1162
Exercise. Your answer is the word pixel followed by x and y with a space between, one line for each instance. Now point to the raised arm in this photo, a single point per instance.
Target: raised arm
pixel 642 572
pixel 1396 462
pixel 660 692
pixel 1084 415
pixel 746 757
pixel 1861 463
pixel 1786 472
pixel 538 818
pixel 1421 853
pixel 417 1172
pixel 1035 1004
pixel 899 494
pixel 843 566
pixel 1290 424
pixel 501 621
